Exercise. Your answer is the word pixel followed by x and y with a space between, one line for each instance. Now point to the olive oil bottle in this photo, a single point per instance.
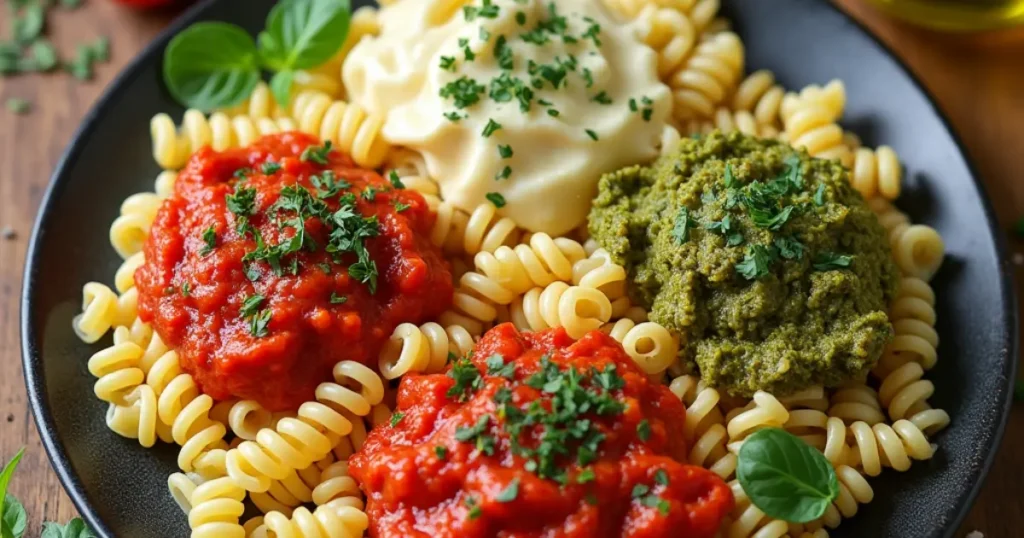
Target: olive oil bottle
pixel 957 15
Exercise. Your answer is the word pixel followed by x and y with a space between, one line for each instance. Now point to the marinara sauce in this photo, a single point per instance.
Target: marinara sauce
pixel 271 263
pixel 537 435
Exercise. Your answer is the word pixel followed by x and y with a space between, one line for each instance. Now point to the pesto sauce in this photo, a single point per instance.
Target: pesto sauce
pixel 754 304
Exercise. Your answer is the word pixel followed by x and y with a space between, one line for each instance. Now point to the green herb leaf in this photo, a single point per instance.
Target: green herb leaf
pixel 504 173
pixel 29 25
pixel 592 134
pixel 490 128
pixel 210 238
pixel 101 49
pixel 683 224
pixel 5 477
pixel 789 248
pixel 319 155
pixel 18 106
pixel 302 34
pixel 496 198
pixel 395 180
pixel 510 492
pixel 251 305
pixel 640 490
pixel 281 86
pixel 258 324
pixel 44 56
pixel 730 180
pixel 186 289
pixel 819 195
pixel 828 261
pixel 661 477
pixel 14 519
pixel 76 528
pixel 785 477
pixel 586 475
pixel 441 452
pixel 211 65
pixel 643 430
pixel 505 151
pixel 757 262
pixel 70 4
pixel 396 418
pixel 338 299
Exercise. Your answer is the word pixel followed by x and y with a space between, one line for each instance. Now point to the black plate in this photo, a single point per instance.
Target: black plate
pixel 120 488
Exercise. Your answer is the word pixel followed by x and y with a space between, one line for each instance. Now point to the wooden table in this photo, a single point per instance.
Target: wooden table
pixel 978 81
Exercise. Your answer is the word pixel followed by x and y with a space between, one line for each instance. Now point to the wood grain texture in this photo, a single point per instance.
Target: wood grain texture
pixel 978 82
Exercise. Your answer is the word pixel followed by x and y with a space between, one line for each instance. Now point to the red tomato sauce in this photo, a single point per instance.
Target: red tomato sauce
pixel 450 468
pixel 314 313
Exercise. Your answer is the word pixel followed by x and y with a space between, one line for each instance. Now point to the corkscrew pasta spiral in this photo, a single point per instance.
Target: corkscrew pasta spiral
pixel 892 446
pixel 876 173
pixel 670 33
pixel 423 349
pixel 764 411
pixel 705 426
pixel 129 231
pixel 215 508
pixel 856 401
pixel 187 412
pixel 917 249
pixel 296 443
pixel 173 146
pixel 812 125
pixel 346 125
pixel 99 312
pixel 649 344
pixel 579 310
pixel 325 522
pixel 727 121
pixel 759 95
pixel 707 77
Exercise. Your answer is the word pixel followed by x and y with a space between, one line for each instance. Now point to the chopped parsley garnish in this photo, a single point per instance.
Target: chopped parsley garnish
pixel 464 92
pixel 520 18
pixel 441 452
pixel 325 267
pixel 477 433
pixel 210 238
pixel 510 492
pixel 591 134
pixel 729 178
pixel 504 173
pixel 270 168
pixel 338 299
pixel 661 477
pixel 757 262
pixel 643 430
pixel 242 202
pixel 789 248
pixel 505 151
pixel 474 509
pixel 448 63
pixel 588 77
pixel 828 261
pixel 369 193
pixel 497 366
pixel 454 116
pixel 396 418
pixel 470 56
pixel 490 128
pixel 486 11
pixel 496 198
pixel 467 378
pixel 602 98
pixel 553 112
pixel 484 34
pixel 242 173
pixel 251 305
pixel 640 490
pixel 503 53
pixel 327 185
pixel 317 154
pixel 632 105
pixel 258 323
pixel 186 289
pixel 646 114
pixel 400 206
pixel 819 195
pixel 683 224
pixel 395 180
pixel 586 475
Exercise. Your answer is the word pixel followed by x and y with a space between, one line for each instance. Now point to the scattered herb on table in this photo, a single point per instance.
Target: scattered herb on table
pixel 14 519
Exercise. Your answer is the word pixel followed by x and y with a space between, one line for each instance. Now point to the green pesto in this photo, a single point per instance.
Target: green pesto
pixel 791 325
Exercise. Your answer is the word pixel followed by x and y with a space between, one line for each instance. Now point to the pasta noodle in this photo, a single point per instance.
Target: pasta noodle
pixel 423 349
pixel 215 508
pixel 708 77
pixel 650 345
pixel 296 443
pixel 765 411
pixel 172 146
pixel 759 95
pixel 917 249
pixel 727 121
pixel 577 309
pixel 348 126
pixel 327 522
pixel 705 426
pixel 812 125
pixel 876 172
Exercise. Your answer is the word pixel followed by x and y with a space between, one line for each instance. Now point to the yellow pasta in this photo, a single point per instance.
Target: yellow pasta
pixel 727 121
pixel 650 345
pixel 348 126
pixel 765 411
pixel 856 402
pixel 708 77
pixel 99 312
pixel 325 522
pixel 812 125
pixel 215 508
pixel 759 95
pixel 579 310
pixel 705 426
pixel 877 173
pixel 173 146
pixel 186 411
pixel 423 349
pixel 296 443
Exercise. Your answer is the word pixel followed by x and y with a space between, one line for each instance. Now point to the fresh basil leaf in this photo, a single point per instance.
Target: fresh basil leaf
pixel 14 517
pixel 76 528
pixel 281 86
pixel 302 34
pixel 829 261
pixel 5 531
pixel 29 25
pixel 5 476
pixel 211 65
pixel 785 477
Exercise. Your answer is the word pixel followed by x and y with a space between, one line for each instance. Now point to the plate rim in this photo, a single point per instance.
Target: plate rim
pixel 32 358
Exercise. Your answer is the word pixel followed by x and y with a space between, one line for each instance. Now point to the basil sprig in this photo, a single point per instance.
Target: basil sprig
pixel 214 65
pixel 785 477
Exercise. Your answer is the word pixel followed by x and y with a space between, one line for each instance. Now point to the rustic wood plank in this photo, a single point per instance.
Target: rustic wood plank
pixel 977 81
